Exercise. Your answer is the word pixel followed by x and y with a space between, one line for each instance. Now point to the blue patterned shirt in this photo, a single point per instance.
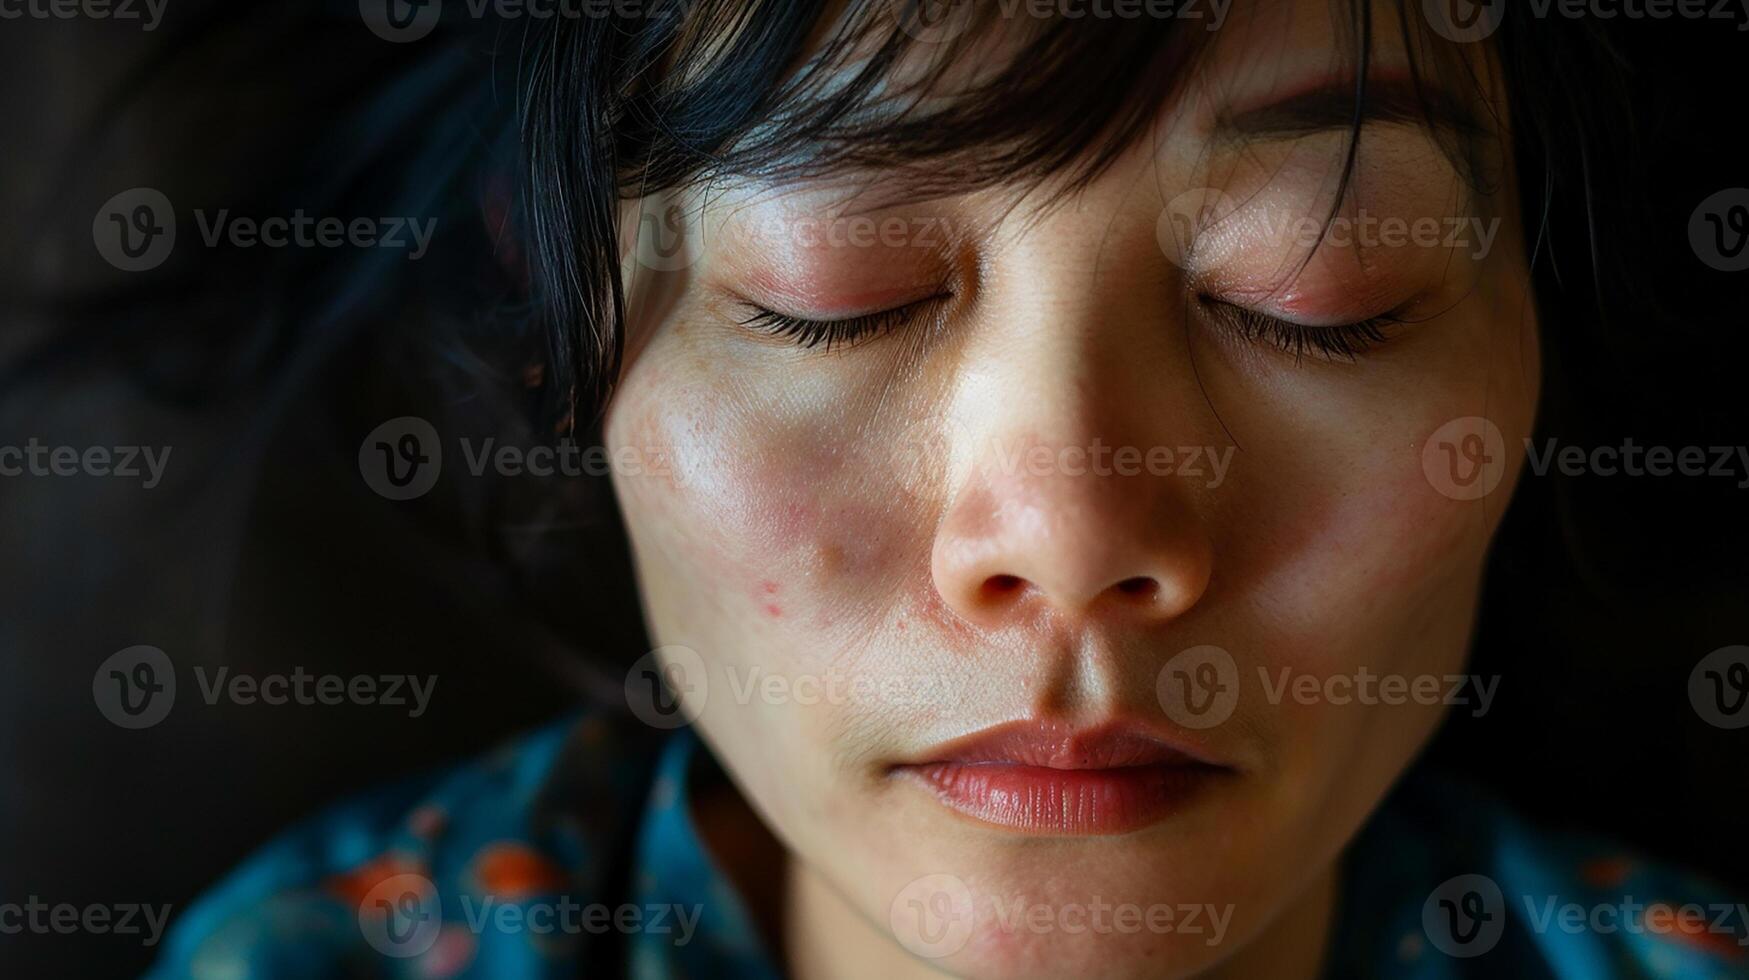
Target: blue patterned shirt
pixel 539 861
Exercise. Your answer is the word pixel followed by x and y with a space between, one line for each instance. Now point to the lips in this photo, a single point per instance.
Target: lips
pixel 1048 778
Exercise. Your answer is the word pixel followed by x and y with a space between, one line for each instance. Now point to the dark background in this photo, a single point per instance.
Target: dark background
pixel 264 550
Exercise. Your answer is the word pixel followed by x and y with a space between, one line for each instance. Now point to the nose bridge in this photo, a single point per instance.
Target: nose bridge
pixel 1069 396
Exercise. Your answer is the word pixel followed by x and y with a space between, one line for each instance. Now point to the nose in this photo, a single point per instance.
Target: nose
pixel 1050 528
pixel 1070 403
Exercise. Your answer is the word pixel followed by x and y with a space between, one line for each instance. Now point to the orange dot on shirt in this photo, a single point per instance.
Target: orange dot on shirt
pixel 512 871
pixel 1606 872
pixel 354 885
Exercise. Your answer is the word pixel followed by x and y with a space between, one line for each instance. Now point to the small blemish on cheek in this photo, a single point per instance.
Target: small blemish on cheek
pixel 768 589
pixel 770 515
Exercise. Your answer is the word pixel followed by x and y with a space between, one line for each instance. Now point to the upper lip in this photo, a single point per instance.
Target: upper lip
pixel 1051 744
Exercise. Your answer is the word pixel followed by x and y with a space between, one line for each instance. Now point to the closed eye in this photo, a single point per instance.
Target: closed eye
pixel 827 334
pixel 1344 342
pixel 1340 342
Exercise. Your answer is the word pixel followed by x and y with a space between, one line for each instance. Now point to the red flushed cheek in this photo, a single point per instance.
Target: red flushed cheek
pixel 826 562
pixel 773 524
pixel 1359 569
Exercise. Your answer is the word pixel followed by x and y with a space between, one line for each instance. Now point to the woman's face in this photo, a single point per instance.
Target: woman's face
pixel 1072 592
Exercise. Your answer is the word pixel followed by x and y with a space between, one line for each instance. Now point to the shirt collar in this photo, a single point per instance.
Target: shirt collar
pixel 673 870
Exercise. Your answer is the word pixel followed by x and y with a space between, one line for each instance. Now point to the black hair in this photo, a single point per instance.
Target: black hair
pixel 778 90
pixel 523 137
pixel 544 126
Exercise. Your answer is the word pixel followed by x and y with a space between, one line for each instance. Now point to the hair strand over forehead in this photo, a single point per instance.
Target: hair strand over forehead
pixel 777 90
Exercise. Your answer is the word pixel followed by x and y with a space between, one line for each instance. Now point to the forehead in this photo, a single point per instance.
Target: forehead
pixel 1010 94
pixel 1274 72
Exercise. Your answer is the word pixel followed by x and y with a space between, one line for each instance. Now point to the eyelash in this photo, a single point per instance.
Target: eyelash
pixel 1342 342
pixel 1345 342
pixel 827 334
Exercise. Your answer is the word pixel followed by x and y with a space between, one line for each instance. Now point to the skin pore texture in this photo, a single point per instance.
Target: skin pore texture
pixel 861 544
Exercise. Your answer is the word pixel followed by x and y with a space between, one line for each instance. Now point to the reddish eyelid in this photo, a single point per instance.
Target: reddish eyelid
pixel 811 297
pixel 1330 307
pixel 1322 295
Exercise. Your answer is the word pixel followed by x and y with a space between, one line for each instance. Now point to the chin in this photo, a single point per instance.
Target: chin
pixel 977 901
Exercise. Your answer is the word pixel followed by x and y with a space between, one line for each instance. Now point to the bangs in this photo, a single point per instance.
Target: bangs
pixel 779 91
pixel 973 101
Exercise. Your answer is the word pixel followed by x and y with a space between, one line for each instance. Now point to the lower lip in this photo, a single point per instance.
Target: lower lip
pixel 1069 802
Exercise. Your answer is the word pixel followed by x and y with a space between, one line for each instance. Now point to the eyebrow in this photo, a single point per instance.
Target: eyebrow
pixel 1332 105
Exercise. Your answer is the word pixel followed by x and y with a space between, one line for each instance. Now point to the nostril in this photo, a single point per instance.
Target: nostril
pixel 1141 587
pixel 1001 585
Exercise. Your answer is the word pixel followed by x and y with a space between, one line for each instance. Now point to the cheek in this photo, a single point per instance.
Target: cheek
pixel 778 524
pixel 1379 560
pixel 1354 558
pixel 1344 534
pixel 1360 570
